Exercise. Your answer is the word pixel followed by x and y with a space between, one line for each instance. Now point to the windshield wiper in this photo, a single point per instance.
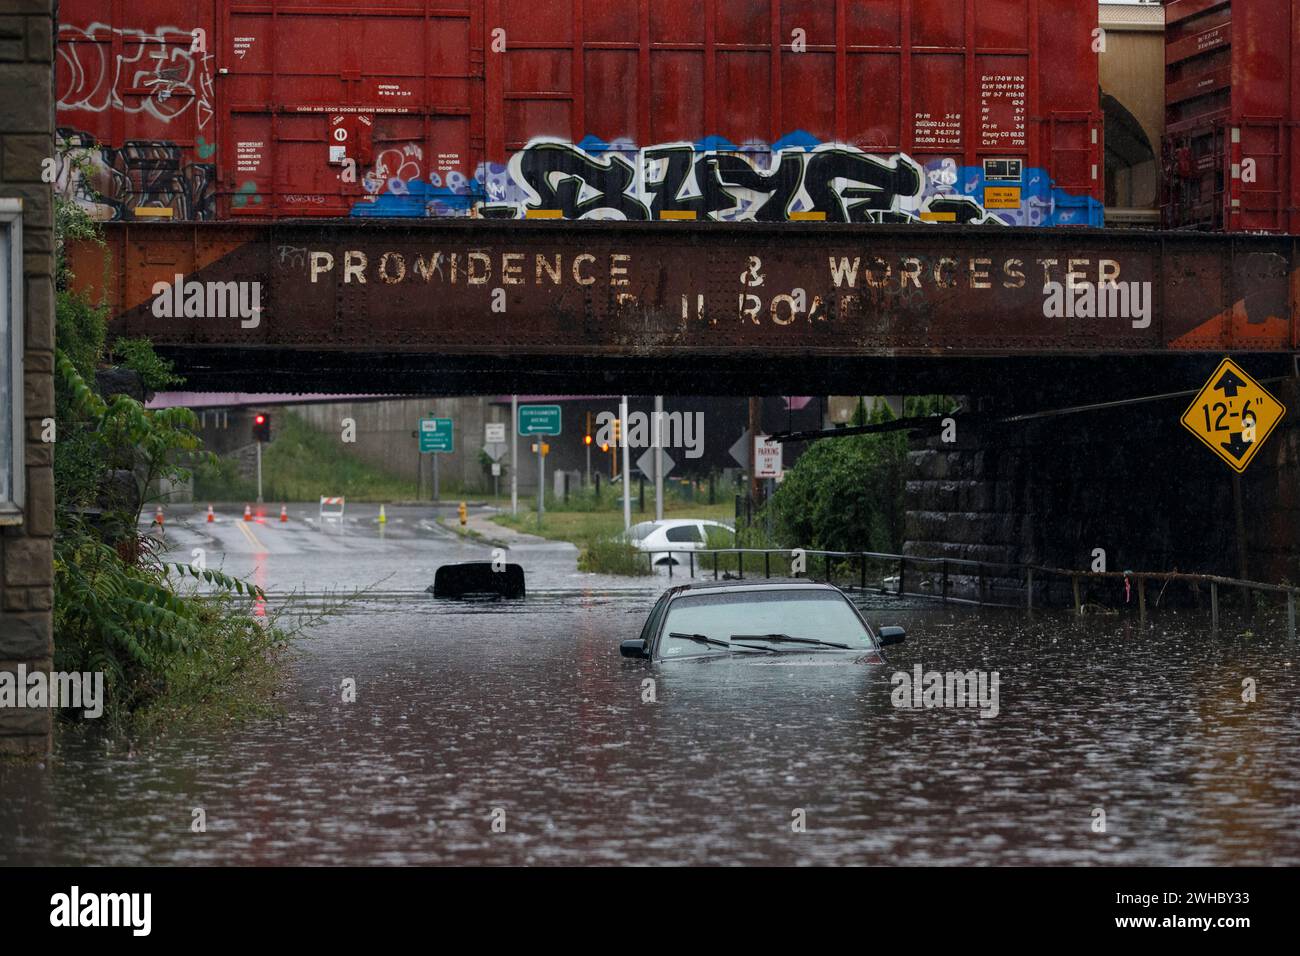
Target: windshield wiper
pixel 698 638
pixel 705 639
pixel 786 639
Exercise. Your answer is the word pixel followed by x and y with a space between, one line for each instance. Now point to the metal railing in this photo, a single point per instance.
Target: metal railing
pixel 977 578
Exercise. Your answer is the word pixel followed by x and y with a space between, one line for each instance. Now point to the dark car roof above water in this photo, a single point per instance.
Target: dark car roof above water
pixel 784 584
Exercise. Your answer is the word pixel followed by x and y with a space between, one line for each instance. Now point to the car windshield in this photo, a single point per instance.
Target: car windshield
pixel 745 615
pixel 639 532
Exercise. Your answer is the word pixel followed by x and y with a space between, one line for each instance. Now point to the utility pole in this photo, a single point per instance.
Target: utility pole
pixel 755 429
pixel 541 478
pixel 259 471
pixel 627 466
pixel 514 449
pixel 659 457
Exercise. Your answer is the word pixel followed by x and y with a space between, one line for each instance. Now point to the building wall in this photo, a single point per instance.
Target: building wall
pixel 1132 70
pixel 26 550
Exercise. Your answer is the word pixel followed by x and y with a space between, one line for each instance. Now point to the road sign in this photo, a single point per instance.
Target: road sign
pixel 496 469
pixel 495 450
pixel 494 433
pixel 740 450
pixel 767 458
pixel 539 419
pixel 436 434
pixel 647 462
pixel 1233 415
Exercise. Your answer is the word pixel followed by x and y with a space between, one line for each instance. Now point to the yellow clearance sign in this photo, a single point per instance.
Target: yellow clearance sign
pixel 1233 415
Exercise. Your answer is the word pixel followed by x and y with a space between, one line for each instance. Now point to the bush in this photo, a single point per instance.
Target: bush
pixel 845 494
pixel 610 555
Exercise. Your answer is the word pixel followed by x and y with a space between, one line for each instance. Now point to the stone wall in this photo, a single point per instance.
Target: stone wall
pixel 1130 481
pixel 26 555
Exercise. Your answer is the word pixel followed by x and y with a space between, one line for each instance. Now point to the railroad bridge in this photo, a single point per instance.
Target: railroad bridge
pixel 1078 349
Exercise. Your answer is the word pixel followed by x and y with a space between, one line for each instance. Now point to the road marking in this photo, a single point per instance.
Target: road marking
pixel 252 538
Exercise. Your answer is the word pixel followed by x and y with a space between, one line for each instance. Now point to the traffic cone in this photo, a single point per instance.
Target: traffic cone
pixel 383 518
pixel 248 513
pixel 211 517
pixel 158 518
pixel 284 514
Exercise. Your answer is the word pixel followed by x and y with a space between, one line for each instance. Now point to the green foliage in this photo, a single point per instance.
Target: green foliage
pixel 124 619
pixel 845 494
pixel 139 356
pixel 119 432
pixel 219 479
pixel 117 606
pixel 609 555
pixel 72 223
pixel 301 464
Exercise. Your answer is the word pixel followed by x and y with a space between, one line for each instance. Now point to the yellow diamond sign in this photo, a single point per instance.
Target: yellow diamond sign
pixel 1233 415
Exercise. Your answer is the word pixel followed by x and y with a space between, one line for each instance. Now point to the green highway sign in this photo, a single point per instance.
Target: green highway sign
pixel 539 419
pixel 436 435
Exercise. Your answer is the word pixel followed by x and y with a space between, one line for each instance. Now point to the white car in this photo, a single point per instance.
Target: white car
pixel 677 535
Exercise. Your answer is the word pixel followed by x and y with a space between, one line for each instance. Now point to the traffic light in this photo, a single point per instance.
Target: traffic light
pixel 586 439
pixel 617 431
pixel 262 427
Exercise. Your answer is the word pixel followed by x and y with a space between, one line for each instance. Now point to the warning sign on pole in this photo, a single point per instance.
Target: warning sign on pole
pixel 1233 415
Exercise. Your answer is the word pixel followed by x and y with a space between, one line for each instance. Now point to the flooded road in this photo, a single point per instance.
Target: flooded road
pixel 513 733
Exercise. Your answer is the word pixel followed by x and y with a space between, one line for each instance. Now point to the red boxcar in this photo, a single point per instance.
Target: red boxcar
pixel 842 110
pixel 1232 143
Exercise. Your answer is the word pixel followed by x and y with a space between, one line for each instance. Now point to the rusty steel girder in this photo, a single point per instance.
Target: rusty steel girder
pixel 538 289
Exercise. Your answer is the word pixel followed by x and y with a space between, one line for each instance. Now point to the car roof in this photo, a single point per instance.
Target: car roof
pixel 784 584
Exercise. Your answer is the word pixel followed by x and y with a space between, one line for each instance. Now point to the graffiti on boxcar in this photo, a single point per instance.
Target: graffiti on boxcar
pixel 796 178
pixel 113 183
pixel 164 72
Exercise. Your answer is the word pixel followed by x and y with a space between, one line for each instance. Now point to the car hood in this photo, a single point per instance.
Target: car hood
pixel 783 659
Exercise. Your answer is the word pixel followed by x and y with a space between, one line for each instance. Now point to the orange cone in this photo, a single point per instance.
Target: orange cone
pixel 158 518
pixel 284 513
pixel 211 517
pixel 248 513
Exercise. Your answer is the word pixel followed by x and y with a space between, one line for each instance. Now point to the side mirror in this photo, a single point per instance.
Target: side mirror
pixel 633 648
pixel 892 635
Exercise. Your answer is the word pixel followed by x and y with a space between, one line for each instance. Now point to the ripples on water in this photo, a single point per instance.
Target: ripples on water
pixel 529 708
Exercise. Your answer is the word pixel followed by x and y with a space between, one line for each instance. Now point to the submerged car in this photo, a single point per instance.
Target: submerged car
pixel 714 619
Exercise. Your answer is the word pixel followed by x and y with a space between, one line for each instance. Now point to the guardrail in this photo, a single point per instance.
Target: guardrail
pixel 979 577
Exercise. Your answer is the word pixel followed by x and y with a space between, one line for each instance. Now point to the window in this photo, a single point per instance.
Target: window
pixel 684 533
pixel 821 615
pixel 11 361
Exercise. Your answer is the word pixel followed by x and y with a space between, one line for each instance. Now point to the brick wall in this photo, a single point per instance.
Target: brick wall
pixel 26 555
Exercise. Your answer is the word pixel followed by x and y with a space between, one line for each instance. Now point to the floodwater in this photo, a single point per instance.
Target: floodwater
pixel 513 733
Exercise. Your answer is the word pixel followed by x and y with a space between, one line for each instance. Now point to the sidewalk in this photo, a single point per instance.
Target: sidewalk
pixel 484 525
